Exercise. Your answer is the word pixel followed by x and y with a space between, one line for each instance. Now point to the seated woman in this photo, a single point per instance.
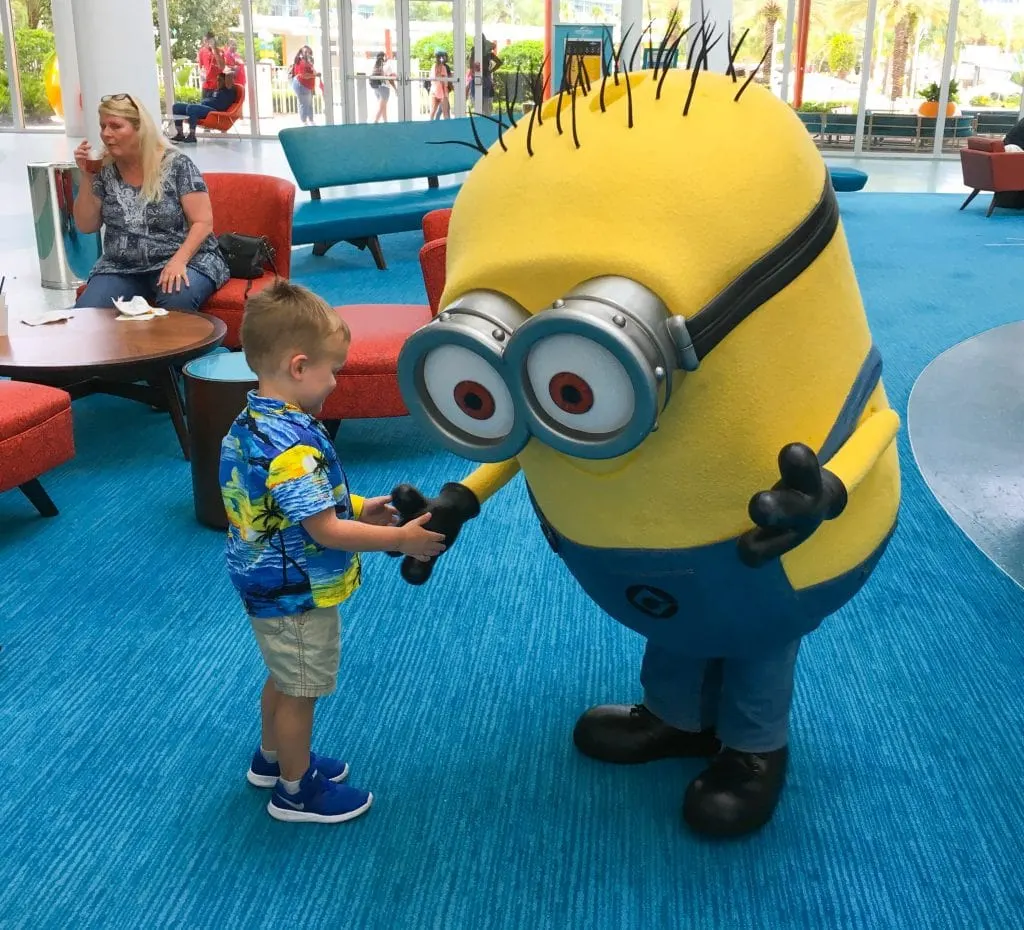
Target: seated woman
pixel 220 101
pixel 1013 141
pixel 154 207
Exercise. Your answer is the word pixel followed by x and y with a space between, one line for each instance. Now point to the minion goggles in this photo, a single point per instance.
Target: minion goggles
pixel 589 375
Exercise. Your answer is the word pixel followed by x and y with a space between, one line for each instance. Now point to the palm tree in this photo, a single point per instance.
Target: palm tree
pixel 272 519
pixel 900 49
pixel 771 13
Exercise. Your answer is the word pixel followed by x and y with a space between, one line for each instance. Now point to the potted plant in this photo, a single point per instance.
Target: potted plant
pixel 930 107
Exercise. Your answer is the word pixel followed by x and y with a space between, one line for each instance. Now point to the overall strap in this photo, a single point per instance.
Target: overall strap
pixel 846 422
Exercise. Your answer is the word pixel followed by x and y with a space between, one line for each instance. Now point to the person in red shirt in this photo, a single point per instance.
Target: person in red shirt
pixel 304 81
pixel 211 64
pixel 235 62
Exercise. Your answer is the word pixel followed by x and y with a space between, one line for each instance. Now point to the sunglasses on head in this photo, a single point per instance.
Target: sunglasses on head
pixel 119 97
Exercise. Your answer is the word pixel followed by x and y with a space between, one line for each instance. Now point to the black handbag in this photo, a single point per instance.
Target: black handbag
pixel 247 256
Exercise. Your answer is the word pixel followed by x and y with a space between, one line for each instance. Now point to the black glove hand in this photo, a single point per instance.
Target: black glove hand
pixel 453 507
pixel 790 512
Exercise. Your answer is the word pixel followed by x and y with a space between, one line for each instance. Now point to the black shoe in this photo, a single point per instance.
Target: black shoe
pixel 630 734
pixel 737 793
pixel 190 139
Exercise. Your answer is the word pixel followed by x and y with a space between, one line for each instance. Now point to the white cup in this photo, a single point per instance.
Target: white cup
pixel 3 316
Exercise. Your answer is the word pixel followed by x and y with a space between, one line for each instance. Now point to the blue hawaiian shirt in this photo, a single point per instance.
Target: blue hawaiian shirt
pixel 278 466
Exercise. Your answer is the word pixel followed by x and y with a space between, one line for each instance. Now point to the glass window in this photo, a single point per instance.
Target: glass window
pixel 6 118
pixel 288 74
pixel 513 40
pixel 196 61
pixel 36 57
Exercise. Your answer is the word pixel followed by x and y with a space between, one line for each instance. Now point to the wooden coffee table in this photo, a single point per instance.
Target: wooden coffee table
pixel 95 353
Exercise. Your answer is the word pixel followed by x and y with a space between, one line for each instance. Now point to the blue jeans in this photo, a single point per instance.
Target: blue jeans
pixel 747 700
pixel 194 111
pixel 305 98
pixel 102 289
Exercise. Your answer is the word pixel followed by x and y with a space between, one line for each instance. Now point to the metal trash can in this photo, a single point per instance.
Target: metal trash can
pixel 66 256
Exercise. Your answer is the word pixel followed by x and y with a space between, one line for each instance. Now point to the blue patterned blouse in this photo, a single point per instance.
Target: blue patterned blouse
pixel 140 237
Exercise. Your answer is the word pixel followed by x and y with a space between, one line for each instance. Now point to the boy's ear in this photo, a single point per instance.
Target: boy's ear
pixel 297 365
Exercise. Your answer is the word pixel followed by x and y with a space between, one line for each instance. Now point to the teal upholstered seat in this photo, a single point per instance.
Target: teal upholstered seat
pixel 848 179
pixel 342 156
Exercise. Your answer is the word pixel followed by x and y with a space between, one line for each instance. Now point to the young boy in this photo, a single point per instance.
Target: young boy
pixel 293 541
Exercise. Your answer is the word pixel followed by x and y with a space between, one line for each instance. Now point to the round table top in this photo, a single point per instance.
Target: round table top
pixel 220 366
pixel 94 339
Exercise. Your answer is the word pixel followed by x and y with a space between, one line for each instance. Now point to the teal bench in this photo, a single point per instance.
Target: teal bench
pixel 342 156
pixel 993 122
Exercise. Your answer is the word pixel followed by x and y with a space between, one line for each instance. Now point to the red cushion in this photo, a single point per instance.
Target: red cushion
pixel 433 259
pixel 368 384
pixel 982 144
pixel 35 431
pixel 435 225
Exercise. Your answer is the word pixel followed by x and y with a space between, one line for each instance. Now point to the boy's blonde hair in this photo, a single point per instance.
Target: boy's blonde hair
pixel 285 319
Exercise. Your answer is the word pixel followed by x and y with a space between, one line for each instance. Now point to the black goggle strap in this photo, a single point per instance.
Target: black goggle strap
pixel 765 278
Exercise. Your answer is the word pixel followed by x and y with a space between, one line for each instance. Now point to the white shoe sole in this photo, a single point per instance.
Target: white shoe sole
pixel 291 816
pixel 268 781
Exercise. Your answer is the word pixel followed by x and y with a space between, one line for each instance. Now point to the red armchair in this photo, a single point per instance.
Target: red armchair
pixel 252 205
pixel 225 119
pixel 35 436
pixel 988 167
pixel 434 255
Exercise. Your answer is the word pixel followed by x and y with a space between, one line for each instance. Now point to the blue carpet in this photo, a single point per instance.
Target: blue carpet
pixel 130 687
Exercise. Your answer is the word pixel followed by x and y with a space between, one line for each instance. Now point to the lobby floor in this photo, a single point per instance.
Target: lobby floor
pixel 20 264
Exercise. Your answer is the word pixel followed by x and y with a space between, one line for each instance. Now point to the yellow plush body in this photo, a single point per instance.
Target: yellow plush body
pixel 621 182
pixel 693 240
pixel 684 204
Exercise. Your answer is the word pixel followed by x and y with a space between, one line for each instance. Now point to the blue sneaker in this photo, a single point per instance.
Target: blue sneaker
pixel 264 774
pixel 318 801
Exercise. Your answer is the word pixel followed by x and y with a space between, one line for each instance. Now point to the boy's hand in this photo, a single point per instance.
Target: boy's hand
pixel 378 511
pixel 453 507
pixel 419 542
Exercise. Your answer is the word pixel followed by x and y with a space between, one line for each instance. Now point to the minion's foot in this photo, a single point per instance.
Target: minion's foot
pixel 627 734
pixel 737 793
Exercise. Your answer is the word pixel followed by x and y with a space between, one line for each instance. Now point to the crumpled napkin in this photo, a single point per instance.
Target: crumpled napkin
pixel 137 309
pixel 53 316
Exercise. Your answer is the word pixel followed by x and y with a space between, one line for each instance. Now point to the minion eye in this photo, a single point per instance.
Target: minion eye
pixel 593 372
pixel 452 376
pixel 580 385
pixel 468 393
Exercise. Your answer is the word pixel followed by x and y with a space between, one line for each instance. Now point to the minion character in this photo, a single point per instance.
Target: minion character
pixel 665 335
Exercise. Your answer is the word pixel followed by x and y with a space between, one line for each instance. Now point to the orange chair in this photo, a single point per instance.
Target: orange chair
pixel 224 120
pixel 435 225
pixel 252 205
pixel 434 255
pixel 987 166
pixel 36 436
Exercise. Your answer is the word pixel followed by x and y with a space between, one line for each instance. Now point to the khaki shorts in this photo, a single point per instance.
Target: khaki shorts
pixel 302 652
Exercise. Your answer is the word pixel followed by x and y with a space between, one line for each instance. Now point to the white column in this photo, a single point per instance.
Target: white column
pixel 787 49
pixel 67 63
pixel 632 19
pixel 947 67
pixel 865 77
pixel 116 55
pixel 165 55
pixel 719 16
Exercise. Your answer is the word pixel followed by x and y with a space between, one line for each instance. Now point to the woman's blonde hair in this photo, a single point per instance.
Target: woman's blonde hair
pixel 153 147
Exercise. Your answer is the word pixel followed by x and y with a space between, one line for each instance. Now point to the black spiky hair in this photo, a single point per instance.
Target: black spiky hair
pixel 580 84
